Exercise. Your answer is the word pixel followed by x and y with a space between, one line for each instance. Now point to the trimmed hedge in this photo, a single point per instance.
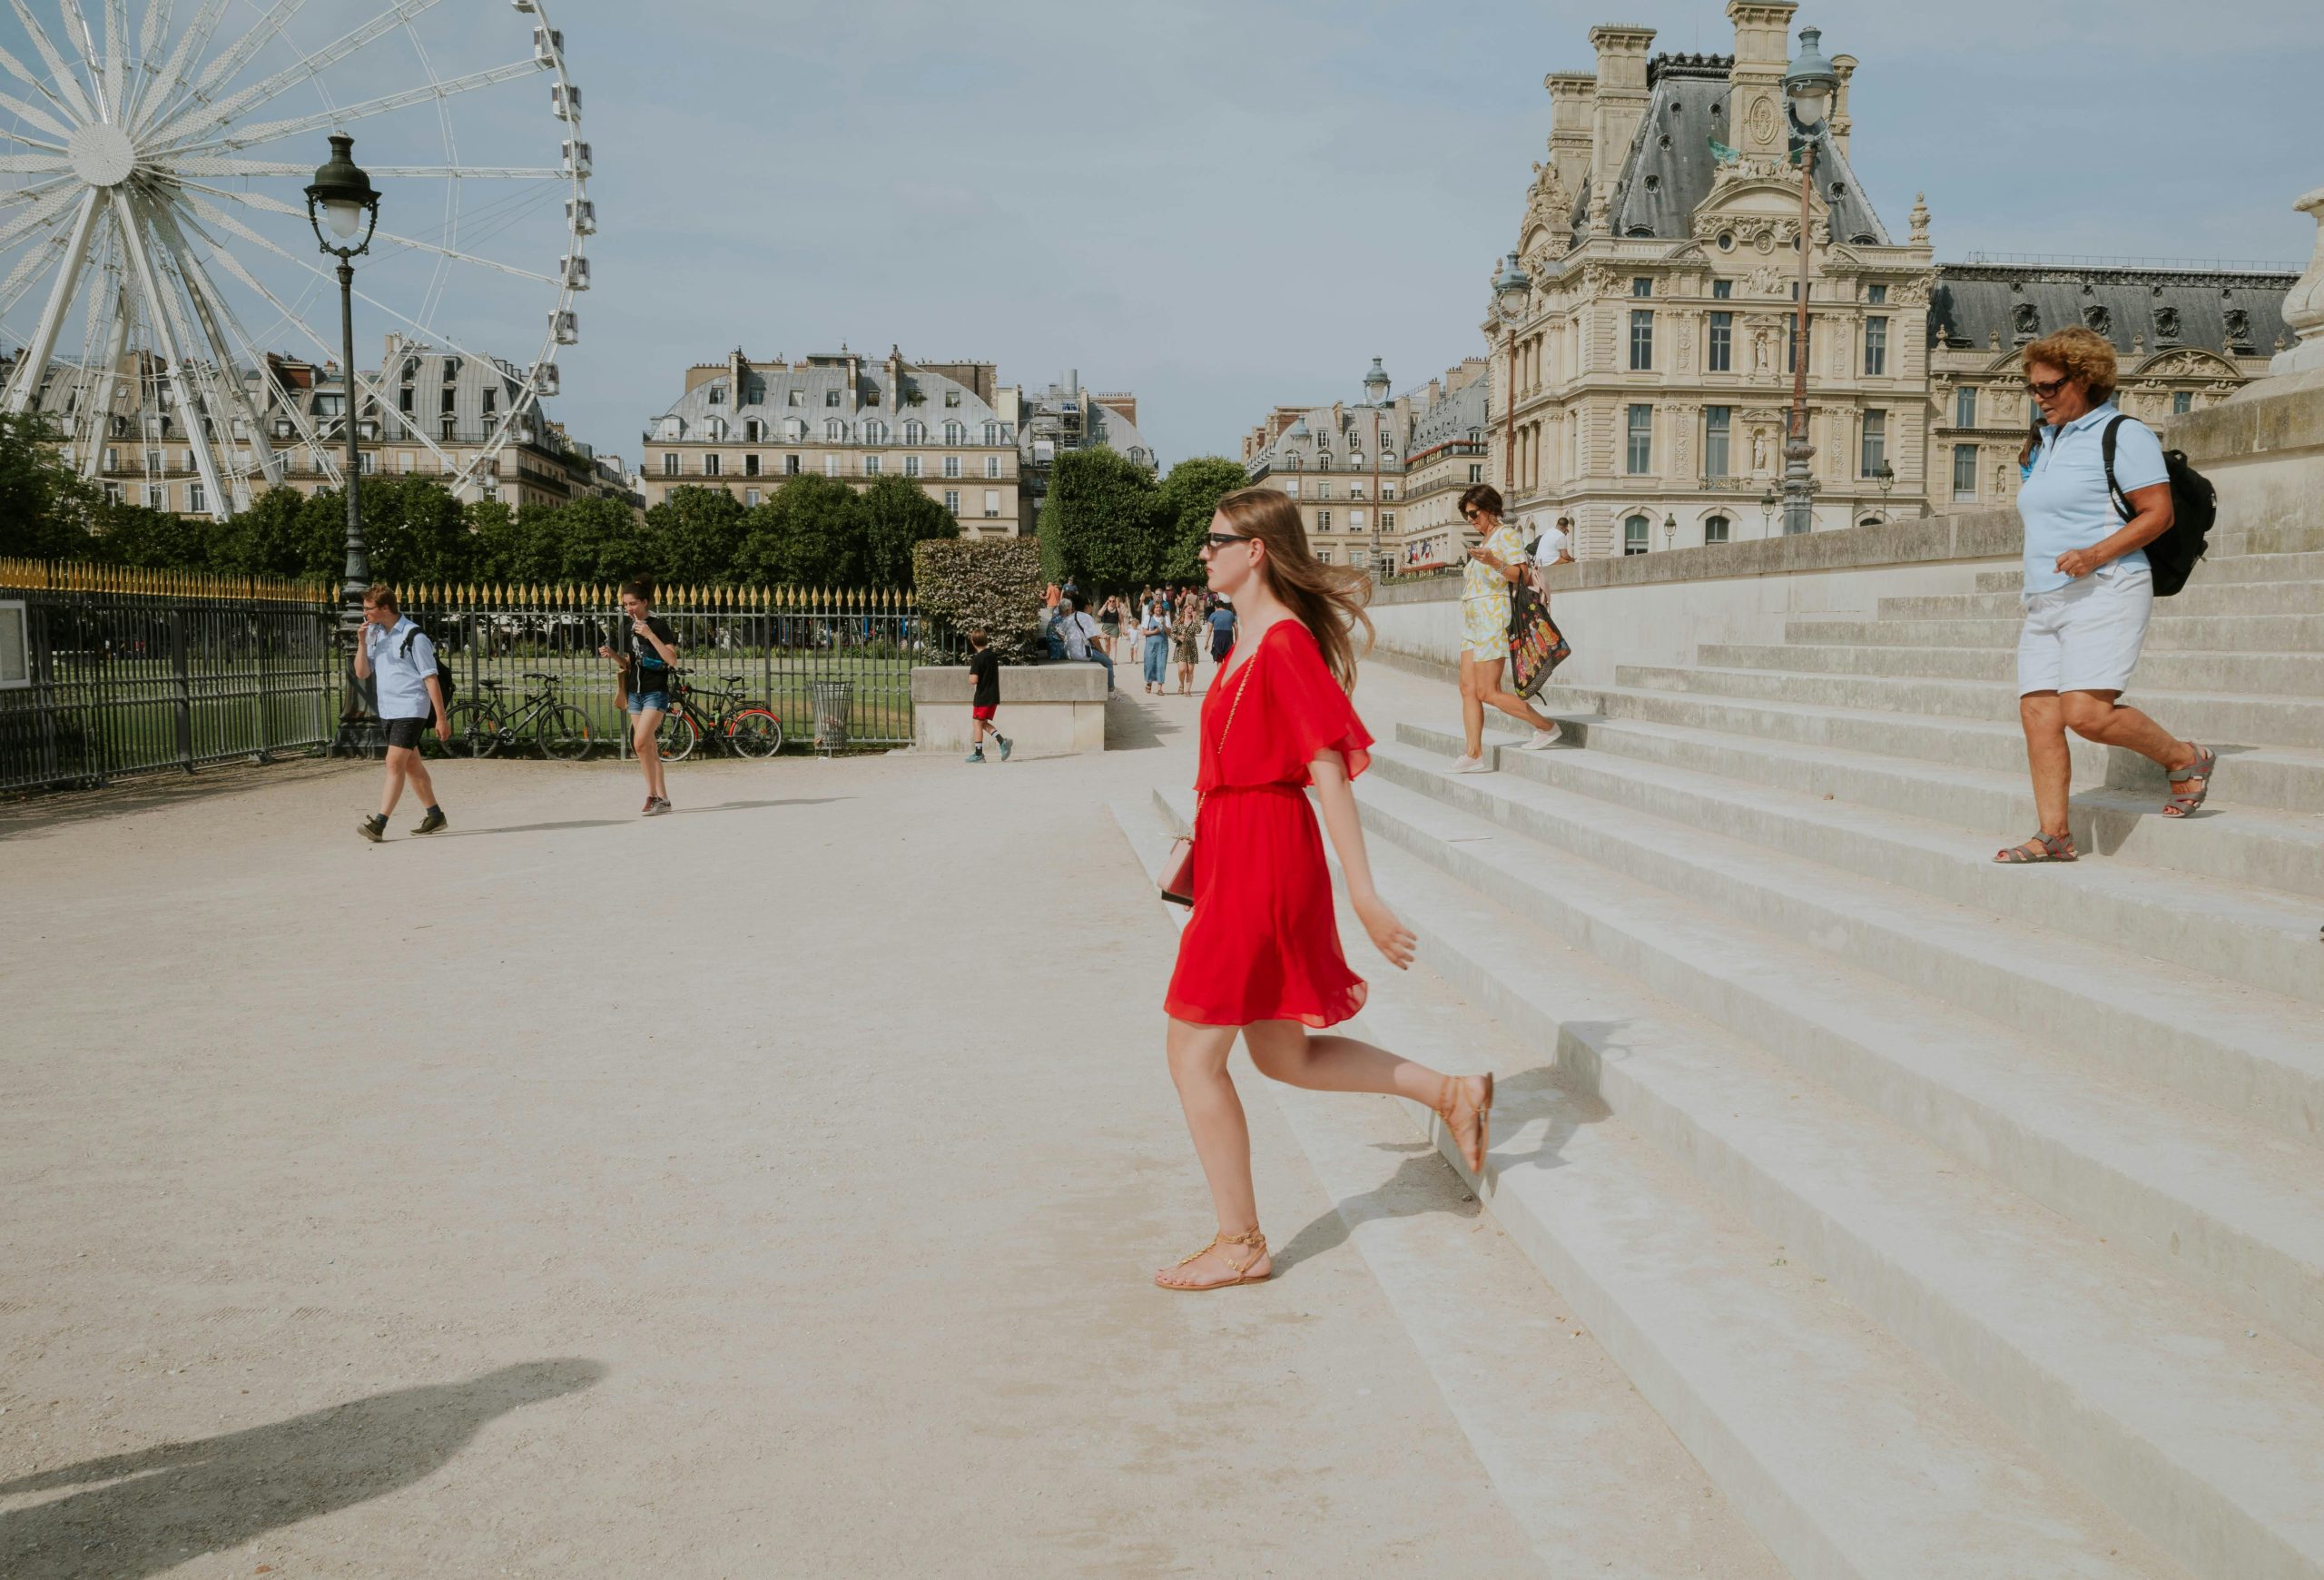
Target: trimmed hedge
pixel 992 582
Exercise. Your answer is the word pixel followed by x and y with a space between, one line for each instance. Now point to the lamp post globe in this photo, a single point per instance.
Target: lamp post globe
pixel 1669 530
pixel 1810 81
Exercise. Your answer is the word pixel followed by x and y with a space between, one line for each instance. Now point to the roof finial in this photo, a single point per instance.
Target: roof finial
pixel 1920 219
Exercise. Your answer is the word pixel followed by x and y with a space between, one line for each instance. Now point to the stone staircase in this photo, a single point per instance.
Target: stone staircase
pixel 1960 1220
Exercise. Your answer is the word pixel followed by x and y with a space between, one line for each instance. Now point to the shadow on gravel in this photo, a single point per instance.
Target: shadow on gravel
pixel 1141 727
pixel 1422 1184
pixel 39 812
pixel 617 821
pixel 165 1506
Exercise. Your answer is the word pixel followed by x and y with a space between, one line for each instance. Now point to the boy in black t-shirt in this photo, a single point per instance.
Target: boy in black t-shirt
pixel 646 649
pixel 984 668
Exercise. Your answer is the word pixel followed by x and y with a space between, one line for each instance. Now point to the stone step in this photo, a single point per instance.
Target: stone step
pixel 2250 567
pixel 1848 1453
pixel 2302 634
pixel 2248 845
pixel 2251 1054
pixel 2257 597
pixel 1582 1460
pixel 2208 717
pixel 2254 936
pixel 2303 538
pixel 2160 1402
pixel 2259 674
pixel 2274 777
pixel 1997 581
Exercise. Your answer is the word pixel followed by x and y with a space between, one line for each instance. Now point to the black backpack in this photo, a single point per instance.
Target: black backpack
pixel 2194 505
pixel 443 670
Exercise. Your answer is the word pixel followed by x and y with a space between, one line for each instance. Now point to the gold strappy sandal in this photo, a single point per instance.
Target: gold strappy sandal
pixel 1447 1098
pixel 1251 1238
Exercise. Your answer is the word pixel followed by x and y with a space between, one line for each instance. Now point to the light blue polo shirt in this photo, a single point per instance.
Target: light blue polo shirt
pixel 402 682
pixel 2064 499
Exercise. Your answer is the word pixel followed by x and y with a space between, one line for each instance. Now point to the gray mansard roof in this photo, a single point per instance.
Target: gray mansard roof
pixel 1976 306
pixel 1453 416
pixel 1669 167
pixel 766 395
pixel 1319 441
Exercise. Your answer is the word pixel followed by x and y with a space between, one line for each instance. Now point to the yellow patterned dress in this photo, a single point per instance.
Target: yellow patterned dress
pixel 1484 596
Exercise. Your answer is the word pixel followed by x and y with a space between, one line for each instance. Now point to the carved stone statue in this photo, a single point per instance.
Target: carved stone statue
pixel 1758 449
pixel 1759 353
pixel 1920 219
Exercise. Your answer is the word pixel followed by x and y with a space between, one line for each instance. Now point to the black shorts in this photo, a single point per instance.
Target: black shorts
pixel 405 732
pixel 1221 646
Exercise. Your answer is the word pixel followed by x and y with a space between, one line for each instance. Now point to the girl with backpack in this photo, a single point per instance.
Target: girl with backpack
pixel 1260 955
pixel 2089 586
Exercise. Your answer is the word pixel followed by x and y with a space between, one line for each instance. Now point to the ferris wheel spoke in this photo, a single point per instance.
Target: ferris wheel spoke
pixel 238 54
pixel 47 212
pixel 217 318
pixel 68 85
pixel 24 73
pixel 116 61
pixel 309 67
pixel 33 364
pixel 290 318
pixel 224 165
pixel 159 313
pixel 42 163
pixel 25 194
pixel 277 206
pixel 170 79
pixel 40 118
pixel 273 130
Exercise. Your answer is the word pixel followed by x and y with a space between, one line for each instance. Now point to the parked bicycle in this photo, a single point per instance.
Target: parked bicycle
pixel 484 726
pixel 743 725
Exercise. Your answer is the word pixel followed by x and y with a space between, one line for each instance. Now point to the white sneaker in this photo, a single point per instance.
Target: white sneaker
pixel 1466 764
pixel 1542 740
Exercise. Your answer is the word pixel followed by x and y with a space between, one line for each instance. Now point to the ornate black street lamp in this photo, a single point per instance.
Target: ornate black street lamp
pixel 342 201
pixel 1807 88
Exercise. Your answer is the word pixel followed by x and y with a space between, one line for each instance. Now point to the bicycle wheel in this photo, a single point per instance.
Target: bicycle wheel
pixel 676 737
pixel 754 732
pixel 477 731
pixel 564 732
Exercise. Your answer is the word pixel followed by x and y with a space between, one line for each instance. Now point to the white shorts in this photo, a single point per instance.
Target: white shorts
pixel 2085 637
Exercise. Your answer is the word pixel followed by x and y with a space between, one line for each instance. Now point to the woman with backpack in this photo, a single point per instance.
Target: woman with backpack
pixel 2089 586
pixel 1260 955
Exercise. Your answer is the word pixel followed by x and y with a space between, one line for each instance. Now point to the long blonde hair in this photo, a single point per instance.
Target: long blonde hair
pixel 1325 599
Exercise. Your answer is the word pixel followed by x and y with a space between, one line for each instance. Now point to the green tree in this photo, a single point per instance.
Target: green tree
pixel 285 534
pixel 162 541
pixel 696 537
pixel 898 514
pixel 47 510
pixel 810 532
pixel 1190 497
pixel 599 541
pixel 1102 523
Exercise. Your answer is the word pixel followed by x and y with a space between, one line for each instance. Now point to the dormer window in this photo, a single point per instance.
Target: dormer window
pixel 718 393
pixel 797 398
pixel 951 398
pixel 830 397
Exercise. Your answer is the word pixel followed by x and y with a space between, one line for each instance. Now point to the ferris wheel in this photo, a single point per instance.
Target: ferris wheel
pixel 162 297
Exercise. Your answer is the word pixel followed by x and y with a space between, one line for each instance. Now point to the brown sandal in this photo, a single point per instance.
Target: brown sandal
pixel 1241 1273
pixel 2183 802
pixel 1448 1099
pixel 2042 848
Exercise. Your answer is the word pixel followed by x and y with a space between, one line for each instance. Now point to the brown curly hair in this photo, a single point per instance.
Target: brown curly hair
pixel 2084 355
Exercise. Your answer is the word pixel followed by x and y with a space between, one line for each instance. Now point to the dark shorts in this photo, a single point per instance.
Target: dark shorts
pixel 1219 647
pixel 639 701
pixel 983 709
pixel 405 732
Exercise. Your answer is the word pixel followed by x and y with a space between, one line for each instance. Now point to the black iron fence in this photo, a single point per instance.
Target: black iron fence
pixel 796 649
pixel 106 671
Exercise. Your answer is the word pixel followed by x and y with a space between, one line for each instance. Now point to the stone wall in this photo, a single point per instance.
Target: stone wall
pixel 1047 710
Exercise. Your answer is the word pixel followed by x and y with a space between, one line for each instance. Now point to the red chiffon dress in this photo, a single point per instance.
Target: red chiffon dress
pixel 1262 943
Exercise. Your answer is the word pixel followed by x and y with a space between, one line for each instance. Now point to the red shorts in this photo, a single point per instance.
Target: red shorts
pixel 985 712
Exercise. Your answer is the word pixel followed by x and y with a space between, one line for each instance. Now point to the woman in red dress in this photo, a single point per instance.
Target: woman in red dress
pixel 1260 954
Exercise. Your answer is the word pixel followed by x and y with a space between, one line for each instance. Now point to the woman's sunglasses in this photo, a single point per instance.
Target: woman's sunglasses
pixel 2047 391
pixel 1223 539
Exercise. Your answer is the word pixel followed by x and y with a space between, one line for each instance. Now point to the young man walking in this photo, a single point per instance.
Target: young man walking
pixel 647 653
pixel 984 668
pixel 400 654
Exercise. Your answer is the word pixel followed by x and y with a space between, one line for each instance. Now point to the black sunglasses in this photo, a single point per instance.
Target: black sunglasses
pixel 2048 389
pixel 1223 539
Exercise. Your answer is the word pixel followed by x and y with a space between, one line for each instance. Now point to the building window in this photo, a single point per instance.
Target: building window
pixel 2182 402
pixel 710 465
pixel 992 504
pixel 1719 353
pixel 751 498
pixel 952 500
pixel 1356 521
pixel 1877 294
pixel 830 397
pixel 834 431
pixel 670 465
pixel 1641 340
pixel 157 496
pixel 831 466
pixel 1634 534
pixel 911 466
pixel 1964 406
pixel 1876 441
pixel 196 500
pixel 1640 285
pixel 915 432
pixel 1291 486
pixel 1323 557
pixel 1387 520
pixel 113 493
pixel 1876 347
pixel 1717 426
pixel 1964 471
pixel 993 433
pixel 1387 490
pixel 366 463
pixel 1641 446
pixel 951 398
pixel 955 433
pixel 951 466
pixel 1715 529
pixel 1476 472
pixel 992 466
pixel 1721 290
pixel 875 431
pixel 1323 487
pixel 791 466
pixel 870 466
pixel 750 466
pixel 1322 520
pixel 797 398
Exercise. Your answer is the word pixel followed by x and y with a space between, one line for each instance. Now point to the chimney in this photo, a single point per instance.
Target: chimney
pixel 1845 65
pixel 895 379
pixel 1755 113
pixel 1572 97
pixel 735 363
pixel 854 380
pixel 1620 104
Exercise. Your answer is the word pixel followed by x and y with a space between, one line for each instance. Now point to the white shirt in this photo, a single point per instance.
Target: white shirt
pixel 1077 628
pixel 2064 502
pixel 1552 546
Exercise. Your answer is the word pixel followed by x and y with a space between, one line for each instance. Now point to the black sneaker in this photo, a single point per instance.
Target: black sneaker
pixel 374 828
pixel 435 822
